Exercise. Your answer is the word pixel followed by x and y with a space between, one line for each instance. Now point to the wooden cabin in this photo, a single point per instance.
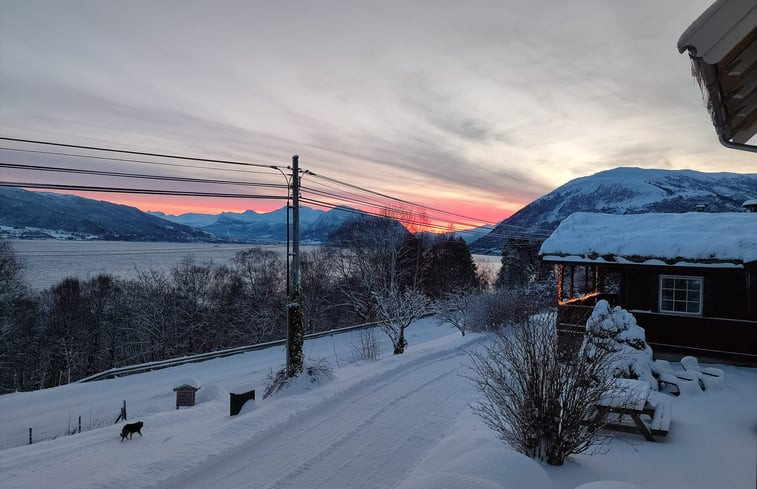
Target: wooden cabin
pixel 689 279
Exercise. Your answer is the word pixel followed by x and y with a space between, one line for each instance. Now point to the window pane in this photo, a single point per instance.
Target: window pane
pixel 681 294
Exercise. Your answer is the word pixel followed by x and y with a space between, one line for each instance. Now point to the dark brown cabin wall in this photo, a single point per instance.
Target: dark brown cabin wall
pixel 751 292
pixel 641 285
pixel 729 338
pixel 724 293
pixel 728 327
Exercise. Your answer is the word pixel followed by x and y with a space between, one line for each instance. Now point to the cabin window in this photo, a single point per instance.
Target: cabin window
pixel 681 294
pixel 576 282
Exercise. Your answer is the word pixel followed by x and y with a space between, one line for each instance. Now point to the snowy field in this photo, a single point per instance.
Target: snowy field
pixel 47 262
pixel 399 422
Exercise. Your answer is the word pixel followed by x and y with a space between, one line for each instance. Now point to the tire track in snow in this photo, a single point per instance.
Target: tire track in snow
pixel 371 435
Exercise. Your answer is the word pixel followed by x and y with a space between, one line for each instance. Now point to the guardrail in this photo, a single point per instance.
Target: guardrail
pixel 201 357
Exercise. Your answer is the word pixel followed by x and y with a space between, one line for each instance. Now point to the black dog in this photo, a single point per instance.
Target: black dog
pixel 131 428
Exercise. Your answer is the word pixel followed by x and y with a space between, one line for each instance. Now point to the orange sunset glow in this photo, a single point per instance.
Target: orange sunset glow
pixel 177 205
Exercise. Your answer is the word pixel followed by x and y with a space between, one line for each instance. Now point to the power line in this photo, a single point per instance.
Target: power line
pixel 351 197
pixel 143 176
pixel 422 224
pixel 396 199
pixel 513 230
pixel 132 160
pixel 365 201
pixel 128 190
pixel 138 153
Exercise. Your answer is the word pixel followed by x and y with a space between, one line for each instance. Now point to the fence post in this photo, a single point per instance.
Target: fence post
pixel 30 436
pixel 80 423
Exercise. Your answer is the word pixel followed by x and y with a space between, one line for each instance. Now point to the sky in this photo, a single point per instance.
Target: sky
pixel 473 107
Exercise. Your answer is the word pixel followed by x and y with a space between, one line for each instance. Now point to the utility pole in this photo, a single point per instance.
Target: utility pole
pixel 296 220
pixel 295 301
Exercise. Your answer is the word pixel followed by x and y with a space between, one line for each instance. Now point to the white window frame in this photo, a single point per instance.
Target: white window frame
pixel 699 300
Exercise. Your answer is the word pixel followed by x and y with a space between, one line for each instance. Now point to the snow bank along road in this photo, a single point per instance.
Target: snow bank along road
pixel 368 428
pixel 370 436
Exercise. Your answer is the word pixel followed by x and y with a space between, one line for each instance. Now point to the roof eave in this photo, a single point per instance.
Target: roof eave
pixel 722 43
pixel 612 260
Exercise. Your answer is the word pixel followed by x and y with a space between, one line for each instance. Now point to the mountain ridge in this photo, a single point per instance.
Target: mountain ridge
pixel 87 218
pixel 624 190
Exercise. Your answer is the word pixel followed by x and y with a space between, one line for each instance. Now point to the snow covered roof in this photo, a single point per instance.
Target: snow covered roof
pixel 722 44
pixel 695 238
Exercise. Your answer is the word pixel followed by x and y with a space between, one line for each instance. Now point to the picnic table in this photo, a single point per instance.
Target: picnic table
pixel 634 398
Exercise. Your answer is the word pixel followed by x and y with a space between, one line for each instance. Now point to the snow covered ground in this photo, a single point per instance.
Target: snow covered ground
pixel 399 422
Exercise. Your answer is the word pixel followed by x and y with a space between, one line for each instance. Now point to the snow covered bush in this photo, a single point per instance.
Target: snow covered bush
pixel 316 372
pixel 365 345
pixel 491 310
pixel 534 397
pixel 457 308
pixel 615 330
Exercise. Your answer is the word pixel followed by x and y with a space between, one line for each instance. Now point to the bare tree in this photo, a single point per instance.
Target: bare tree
pixel 397 310
pixel 537 400
pixel 262 305
pixel 368 258
pixel 11 273
pixel 319 280
pixel 457 308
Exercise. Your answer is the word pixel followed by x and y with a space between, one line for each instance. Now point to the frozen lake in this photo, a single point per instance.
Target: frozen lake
pixel 47 262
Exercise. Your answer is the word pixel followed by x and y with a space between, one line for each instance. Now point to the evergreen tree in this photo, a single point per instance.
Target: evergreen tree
pixel 519 263
pixel 449 266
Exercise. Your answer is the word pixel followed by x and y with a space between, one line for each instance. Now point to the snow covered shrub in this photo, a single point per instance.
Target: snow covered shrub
pixel 498 308
pixel 315 372
pixel 615 330
pixel 365 345
pixel 536 399
pixel 457 308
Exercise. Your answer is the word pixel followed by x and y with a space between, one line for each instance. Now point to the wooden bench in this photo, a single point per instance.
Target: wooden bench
pixel 635 399
pixel 661 409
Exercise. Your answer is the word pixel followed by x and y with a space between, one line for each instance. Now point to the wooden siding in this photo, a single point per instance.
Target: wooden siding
pixel 716 337
pixel 727 327
pixel 724 294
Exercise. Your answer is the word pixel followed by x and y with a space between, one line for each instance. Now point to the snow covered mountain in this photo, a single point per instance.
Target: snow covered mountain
pixel 267 227
pixel 45 215
pixel 625 191
pixel 28 214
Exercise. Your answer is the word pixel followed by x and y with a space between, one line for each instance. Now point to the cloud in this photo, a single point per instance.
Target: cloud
pixel 490 100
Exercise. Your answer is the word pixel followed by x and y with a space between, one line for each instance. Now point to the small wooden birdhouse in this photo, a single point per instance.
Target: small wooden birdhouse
pixel 185 395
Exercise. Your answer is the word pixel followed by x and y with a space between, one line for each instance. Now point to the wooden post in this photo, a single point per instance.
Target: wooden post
pixel 79 423
pixel 30 436
pixel 123 411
